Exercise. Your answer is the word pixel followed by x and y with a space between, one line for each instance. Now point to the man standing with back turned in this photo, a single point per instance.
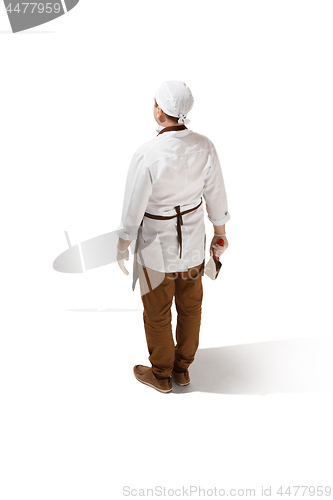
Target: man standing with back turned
pixel 167 178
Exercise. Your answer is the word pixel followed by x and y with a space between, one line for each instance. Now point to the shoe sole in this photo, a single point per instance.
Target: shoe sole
pixel 182 385
pixel 153 386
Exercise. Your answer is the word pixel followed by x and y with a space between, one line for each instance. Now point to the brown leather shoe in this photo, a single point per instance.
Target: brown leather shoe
pixel 145 375
pixel 181 378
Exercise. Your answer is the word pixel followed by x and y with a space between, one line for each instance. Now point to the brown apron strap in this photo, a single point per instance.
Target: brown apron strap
pixel 172 127
pixel 167 217
pixel 203 267
pixel 179 229
pixel 179 215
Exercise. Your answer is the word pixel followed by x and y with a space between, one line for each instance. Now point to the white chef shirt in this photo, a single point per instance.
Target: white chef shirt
pixel 175 168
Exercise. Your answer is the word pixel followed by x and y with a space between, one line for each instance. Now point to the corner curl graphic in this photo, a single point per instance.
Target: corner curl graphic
pixel 102 250
pixel 26 15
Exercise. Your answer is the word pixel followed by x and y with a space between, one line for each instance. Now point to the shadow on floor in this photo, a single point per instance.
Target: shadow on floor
pixel 94 309
pixel 281 366
pixel 8 32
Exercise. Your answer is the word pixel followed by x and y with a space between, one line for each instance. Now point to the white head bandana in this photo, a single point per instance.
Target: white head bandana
pixel 175 99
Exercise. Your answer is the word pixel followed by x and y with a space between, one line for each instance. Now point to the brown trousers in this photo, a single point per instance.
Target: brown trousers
pixel 186 287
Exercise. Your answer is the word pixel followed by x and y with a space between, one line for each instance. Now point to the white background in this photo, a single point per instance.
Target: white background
pixel 76 101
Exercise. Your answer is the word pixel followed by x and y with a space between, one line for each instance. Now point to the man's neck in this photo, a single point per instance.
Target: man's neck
pixel 167 123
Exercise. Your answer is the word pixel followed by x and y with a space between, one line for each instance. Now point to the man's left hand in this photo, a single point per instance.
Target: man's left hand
pixel 123 254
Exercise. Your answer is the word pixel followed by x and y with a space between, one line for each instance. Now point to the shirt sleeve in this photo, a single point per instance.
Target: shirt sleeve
pixel 214 193
pixel 137 192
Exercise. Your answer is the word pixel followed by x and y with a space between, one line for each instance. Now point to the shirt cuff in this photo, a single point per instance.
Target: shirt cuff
pixel 127 236
pixel 220 222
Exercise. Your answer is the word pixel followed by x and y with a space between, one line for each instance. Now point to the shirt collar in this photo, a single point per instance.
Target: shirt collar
pixel 161 129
